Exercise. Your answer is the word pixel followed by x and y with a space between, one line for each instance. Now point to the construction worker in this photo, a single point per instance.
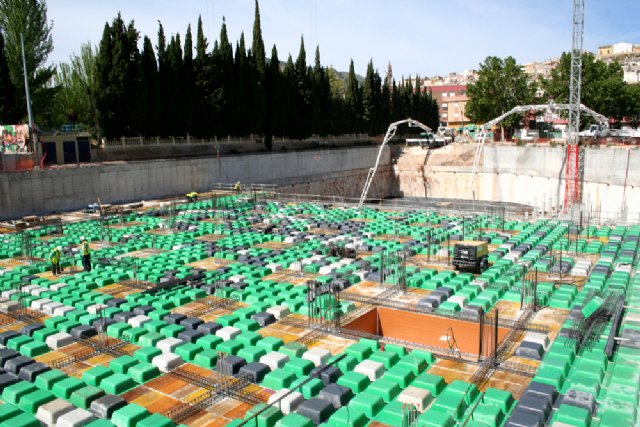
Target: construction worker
pixel 192 197
pixel 85 250
pixel 237 187
pixel 55 260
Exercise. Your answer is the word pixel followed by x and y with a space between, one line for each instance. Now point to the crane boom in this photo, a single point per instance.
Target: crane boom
pixel 391 131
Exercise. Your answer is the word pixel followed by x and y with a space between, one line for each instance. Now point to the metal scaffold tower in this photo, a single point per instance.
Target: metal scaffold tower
pixel 575 153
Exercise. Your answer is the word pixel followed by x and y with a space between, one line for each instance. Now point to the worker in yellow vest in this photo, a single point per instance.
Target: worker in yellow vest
pixel 237 187
pixel 55 260
pixel 86 254
pixel 192 197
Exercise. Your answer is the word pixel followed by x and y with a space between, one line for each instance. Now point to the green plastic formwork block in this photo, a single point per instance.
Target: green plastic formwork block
pixel 436 417
pixel 385 388
pixel 372 344
pixel 300 367
pixel 158 314
pixel 83 397
pixel 490 415
pixel 423 354
pixel 572 415
pixel 64 388
pixel 143 372
pixel 172 331
pixel 42 334
pixel 247 325
pixel 117 330
pixel 117 384
pixel 155 420
pixel 209 342
pixel 346 364
pixel 266 418
pixel 294 420
pixel 230 347
pixel 466 389
pixel 150 339
pixel 206 358
pixel 122 364
pixel 387 358
pixel 359 350
pixel 95 375
pixel 249 338
pixel 434 383
pixel 34 349
pixel 129 416
pixel 393 414
pixel 32 401
pixel 414 363
pixel 355 381
pixel 453 403
pixel 397 349
pixel 189 351
pixel 17 342
pixel 227 320
pixel 270 344
pixel 293 349
pixel 278 379
pixel 146 354
pixel 46 380
pixel 311 388
pixel 367 403
pixel 500 398
pixel 22 420
pixel 401 375
pixel 17 391
pixel 8 412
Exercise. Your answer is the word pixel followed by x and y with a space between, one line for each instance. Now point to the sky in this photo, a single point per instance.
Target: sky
pixel 425 37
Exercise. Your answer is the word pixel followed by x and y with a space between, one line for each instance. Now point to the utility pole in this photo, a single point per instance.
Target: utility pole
pixel 32 134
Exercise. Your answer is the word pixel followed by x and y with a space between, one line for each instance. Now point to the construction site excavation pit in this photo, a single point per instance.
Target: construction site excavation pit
pixel 445 333
pixel 251 308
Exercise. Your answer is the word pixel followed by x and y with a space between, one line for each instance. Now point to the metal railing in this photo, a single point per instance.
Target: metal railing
pixel 140 141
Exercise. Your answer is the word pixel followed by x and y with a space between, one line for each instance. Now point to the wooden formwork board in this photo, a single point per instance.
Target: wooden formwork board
pixel 393 238
pixel 210 263
pixel 144 253
pixel 273 245
pixel 211 237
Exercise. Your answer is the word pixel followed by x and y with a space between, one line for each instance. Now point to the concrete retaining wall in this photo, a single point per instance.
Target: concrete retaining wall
pixel 70 188
pixel 530 175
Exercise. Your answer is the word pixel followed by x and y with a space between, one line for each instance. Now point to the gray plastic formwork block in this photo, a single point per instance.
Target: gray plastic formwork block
pixel 254 371
pixel 30 328
pixel 190 335
pixel 264 318
pixel 83 331
pixel 14 364
pixel 231 364
pixel 581 399
pixel 520 418
pixel 328 374
pixel 174 318
pixel 209 328
pixel 336 394
pixel 6 380
pixel 30 372
pixel 105 406
pixel 317 410
pixel 547 391
pixel 535 405
pixel 7 335
pixel 6 354
pixel 191 322
pixel 530 350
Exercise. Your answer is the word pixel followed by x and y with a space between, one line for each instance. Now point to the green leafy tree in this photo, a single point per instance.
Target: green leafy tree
pixel 76 98
pixel 603 86
pixel 501 85
pixel 29 19
pixel 9 112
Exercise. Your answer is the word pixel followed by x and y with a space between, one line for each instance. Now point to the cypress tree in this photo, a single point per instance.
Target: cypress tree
pixel 188 82
pixel 258 62
pixel 8 108
pixel 152 82
pixel 104 93
pixel 225 62
pixel 164 77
